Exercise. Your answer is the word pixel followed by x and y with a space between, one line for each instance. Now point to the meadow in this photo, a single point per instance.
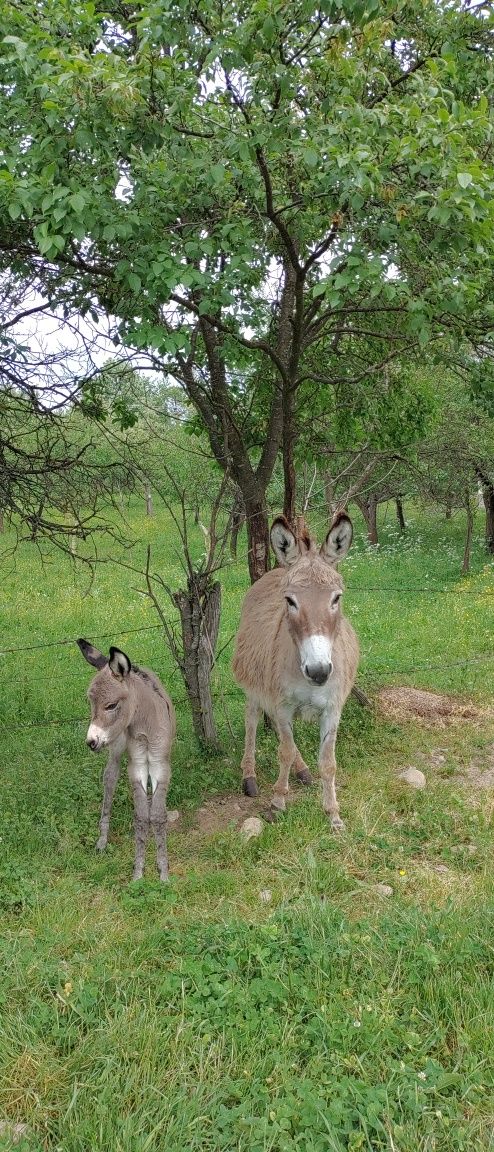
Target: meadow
pixel 270 998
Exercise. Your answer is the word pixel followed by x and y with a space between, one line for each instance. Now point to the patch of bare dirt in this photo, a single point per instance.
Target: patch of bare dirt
pixel 216 815
pixel 479 773
pixel 430 707
pixel 222 812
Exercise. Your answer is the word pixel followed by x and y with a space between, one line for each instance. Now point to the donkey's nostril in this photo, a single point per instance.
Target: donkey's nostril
pixel 318 673
pixel 92 744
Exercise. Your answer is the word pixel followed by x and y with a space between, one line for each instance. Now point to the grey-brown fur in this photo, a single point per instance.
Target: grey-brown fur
pixel 131 712
pixel 296 653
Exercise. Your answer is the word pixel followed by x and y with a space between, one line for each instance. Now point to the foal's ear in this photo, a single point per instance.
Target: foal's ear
pixel 92 655
pixel 119 663
pixel 283 542
pixel 338 539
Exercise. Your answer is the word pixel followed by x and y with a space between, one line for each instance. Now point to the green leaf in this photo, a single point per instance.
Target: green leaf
pixel 464 179
pixel 134 281
pixel 78 201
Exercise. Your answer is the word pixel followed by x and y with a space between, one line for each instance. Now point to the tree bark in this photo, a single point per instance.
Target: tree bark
pixel 488 490
pixel 238 517
pixel 468 540
pixel 368 508
pixel 200 610
pixel 257 539
pixel 400 514
pixel 149 501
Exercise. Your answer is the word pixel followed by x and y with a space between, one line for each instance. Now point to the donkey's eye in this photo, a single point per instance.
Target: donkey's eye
pixel 336 600
pixel 292 603
pixel 111 707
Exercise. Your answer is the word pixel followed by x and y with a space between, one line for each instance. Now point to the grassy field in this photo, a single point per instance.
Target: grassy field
pixel 270 998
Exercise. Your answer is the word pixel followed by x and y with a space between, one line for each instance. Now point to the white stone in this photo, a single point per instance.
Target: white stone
pixel 266 896
pixel 414 777
pixel 383 889
pixel 173 816
pixel 253 826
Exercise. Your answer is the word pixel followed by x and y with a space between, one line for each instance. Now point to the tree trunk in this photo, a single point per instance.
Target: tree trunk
pixel 448 510
pixel 488 491
pixel 149 501
pixel 400 514
pixel 200 610
pixel 2 526
pixel 468 540
pixel 289 476
pixel 329 494
pixel 257 539
pixel 368 508
pixel 238 517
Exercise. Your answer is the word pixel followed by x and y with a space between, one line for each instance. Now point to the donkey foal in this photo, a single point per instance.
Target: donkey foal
pixel 131 712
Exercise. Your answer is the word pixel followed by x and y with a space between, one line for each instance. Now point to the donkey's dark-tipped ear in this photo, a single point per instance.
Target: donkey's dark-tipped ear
pixel 92 655
pixel 283 542
pixel 338 539
pixel 119 663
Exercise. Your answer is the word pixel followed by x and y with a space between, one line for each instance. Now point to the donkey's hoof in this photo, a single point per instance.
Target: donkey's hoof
pixel 304 776
pixel 249 786
pixel 337 824
pixel 273 813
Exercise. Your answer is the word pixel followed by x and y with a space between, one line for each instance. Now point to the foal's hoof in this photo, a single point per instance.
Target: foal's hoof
pixel 249 786
pixel 337 824
pixel 304 776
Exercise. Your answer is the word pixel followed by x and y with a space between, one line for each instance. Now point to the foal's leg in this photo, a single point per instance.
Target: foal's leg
pixel 248 764
pixel 159 772
pixel 110 780
pixel 138 776
pixel 327 768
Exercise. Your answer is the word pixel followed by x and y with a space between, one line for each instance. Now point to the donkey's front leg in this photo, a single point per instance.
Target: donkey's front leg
pixel 287 756
pixel 110 781
pixel 159 771
pixel 248 765
pixel 327 768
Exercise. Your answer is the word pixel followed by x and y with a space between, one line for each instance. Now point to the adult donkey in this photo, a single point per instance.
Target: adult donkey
pixel 131 712
pixel 296 653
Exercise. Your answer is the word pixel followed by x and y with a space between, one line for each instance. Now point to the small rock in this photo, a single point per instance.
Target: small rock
pixel 253 826
pixel 14 1133
pixel 173 816
pixel 414 777
pixel 266 896
pixel 440 868
pixel 383 889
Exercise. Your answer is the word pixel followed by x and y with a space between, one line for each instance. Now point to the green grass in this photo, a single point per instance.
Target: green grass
pixel 198 1016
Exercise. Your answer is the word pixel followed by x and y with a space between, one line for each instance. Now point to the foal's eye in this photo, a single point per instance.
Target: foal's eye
pixel 111 707
pixel 335 600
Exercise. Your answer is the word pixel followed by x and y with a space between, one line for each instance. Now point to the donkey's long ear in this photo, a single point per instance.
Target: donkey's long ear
pixel 283 542
pixel 92 655
pixel 119 663
pixel 338 539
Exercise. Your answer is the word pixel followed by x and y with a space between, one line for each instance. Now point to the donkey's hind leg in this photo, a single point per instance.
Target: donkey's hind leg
pixel 110 781
pixel 301 770
pixel 159 772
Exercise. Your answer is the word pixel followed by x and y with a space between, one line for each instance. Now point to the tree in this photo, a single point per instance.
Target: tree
pixel 241 186
pixel 54 483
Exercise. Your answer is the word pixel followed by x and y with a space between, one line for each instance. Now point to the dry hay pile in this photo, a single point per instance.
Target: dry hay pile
pixel 414 703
